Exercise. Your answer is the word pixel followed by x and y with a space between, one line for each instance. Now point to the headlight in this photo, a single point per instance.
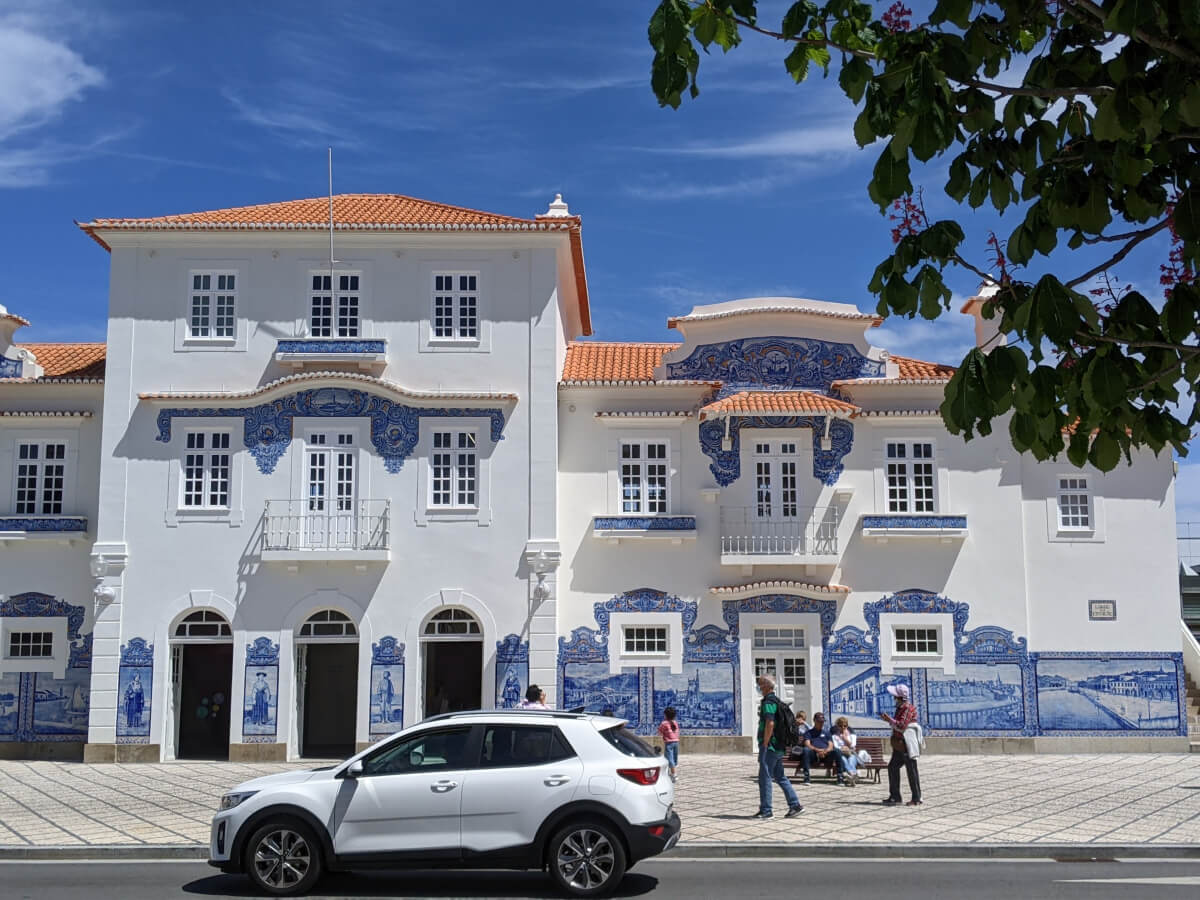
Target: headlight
pixel 229 801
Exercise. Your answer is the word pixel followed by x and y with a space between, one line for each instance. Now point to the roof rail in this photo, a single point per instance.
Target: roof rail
pixel 546 713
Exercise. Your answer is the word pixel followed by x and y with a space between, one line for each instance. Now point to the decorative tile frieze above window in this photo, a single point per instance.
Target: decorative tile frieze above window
pixel 883 527
pixel 367 353
pixel 614 529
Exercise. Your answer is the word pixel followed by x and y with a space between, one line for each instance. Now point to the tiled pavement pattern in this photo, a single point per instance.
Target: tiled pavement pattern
pixel 1103 799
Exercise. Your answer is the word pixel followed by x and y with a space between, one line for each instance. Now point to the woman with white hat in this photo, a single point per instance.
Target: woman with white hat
pixel 902 757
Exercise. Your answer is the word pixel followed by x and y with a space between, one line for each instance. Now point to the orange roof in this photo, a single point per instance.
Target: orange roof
pixel 916 368
pixel 358 212
pixel 608 361
pixel 69 360
pixel 776 403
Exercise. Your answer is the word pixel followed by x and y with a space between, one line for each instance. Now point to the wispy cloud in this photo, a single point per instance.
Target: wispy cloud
pixel 833 139
pixel 946 339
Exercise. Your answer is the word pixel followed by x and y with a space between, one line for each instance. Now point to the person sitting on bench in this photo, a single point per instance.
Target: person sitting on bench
pixel 819 749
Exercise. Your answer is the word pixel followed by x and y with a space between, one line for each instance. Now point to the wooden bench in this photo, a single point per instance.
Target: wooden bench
pixel 874 745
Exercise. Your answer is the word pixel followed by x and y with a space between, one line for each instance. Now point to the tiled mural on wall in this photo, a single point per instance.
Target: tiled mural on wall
pixel 135 692
pixel 387 687
pixel 260 702
pixel 1088 693
pixel 859 692
pixel 37 706
pixel 512 671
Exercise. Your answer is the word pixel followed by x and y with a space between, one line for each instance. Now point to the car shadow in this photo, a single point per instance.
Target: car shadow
pixel 410 883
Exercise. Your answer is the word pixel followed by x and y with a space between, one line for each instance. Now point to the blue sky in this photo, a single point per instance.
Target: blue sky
pixel 135 108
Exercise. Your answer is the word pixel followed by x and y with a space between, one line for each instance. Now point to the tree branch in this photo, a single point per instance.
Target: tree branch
pixel 1100 238
pixel 1119 255
pixel 1164 44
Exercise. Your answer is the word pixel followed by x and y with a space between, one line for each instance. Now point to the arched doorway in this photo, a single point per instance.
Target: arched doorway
pixel 452 644
pixel 202 685
pixel 327 684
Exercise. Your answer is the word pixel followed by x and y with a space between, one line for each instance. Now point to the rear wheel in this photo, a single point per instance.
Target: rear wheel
pixel 586 859
pixel 283 858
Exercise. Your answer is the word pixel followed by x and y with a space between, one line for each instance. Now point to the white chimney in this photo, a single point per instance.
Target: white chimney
pixel 987 331
pixel 557 210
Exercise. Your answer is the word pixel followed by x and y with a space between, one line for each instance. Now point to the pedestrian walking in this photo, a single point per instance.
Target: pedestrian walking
pixel 904 756
pixel 668 729
pixel 535 698
pixel 771 752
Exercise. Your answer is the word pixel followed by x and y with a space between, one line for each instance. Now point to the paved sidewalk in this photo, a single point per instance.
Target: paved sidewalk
pixel 1103 800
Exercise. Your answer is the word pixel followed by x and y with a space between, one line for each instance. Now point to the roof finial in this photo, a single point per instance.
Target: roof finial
pixel 558 208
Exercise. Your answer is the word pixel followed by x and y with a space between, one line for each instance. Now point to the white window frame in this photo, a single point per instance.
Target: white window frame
pixel 456 476
pixel 910 486
pixel 643 462
pixel 40 639
pixel 40 465
pixel 207 471
pixel 1072 487
pixel 457 294
pixel 1055 530
pixel 890 660
pixel 176 512
pixel 9 461
pixel 658 635
pixel 336 293
pixel 919 634
pixel 215 275
pixel 55 664
pixel 480 513
pixel 182 276
pixel 483 268
pixel 619 659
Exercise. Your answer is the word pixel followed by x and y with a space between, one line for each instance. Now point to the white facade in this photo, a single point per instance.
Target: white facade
pixel 308 509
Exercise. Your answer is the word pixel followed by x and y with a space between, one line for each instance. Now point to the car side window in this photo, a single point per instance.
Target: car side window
pixel 429 751
pixel 522 745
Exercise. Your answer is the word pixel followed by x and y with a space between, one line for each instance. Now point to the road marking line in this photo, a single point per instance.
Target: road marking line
pixel 1164 879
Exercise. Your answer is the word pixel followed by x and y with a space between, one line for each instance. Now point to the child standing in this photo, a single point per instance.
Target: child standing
pixel 669 730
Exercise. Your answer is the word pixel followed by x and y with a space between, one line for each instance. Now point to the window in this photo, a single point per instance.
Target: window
pixel 428 751
pixel 203 623
pixel 644 477
pixel 41 476
pixel 454 470
pixel 452 622
pixel 645 638
pixel 30 644
pixel 456 305
pixel 213 306
pixel 523 745
pixel 910 477
pixel 334 313
pixel 628 743
pixel 328 623
pixel 916 640
pixel 206 466
pixel 1074 504
pixel 785 638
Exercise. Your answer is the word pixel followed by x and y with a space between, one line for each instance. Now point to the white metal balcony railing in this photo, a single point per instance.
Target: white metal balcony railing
pixel 302 526
pixel 812 531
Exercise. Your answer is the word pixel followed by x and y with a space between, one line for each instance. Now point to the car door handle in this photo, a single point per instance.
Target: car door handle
pixel 556 780
pixel 442 786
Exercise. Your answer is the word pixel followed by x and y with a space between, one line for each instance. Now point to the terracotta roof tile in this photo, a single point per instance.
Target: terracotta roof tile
pixel 916 368
pixel 69 360
pixel 776 403
pixel 606 361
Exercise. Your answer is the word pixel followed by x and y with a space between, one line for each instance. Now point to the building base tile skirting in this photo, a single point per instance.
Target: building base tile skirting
pixel 252 753
pixel 58 751
pixel 122 753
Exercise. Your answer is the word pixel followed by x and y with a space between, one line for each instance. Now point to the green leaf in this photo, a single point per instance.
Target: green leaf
pixel 956 11
pixel 854 77
pixel 1021 245
pixel 1187 215
pixel 1094 215
pixel 1105 452
pixel 1189 106
pixel 1104 384
pixel 863 134
pixel 899 295
pixel 960 179
pixel 797 63
pixel 1106 126
pixel 1022 428
pixel 890 178
pixel 705 22
pixel 795 20
pixel 1077 449
pixel 1181 313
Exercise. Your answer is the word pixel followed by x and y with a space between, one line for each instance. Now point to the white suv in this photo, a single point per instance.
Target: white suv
pixel 573 793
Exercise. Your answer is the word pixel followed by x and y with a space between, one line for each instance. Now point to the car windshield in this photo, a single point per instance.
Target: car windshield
pixel 628 742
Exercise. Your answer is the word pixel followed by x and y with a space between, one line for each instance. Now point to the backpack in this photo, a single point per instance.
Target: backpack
pixel 787 733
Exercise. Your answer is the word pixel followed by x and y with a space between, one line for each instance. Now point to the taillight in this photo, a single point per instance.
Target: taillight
pixel 640 776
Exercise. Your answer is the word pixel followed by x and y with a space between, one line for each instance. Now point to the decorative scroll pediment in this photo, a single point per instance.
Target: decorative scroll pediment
pixel 584 645
pixel 137 653
pixel 775 362
pixel 916 601
pixel 726 464
pixel 512 649
pixel 990 643
pixel 388 652
pixel 267 429
pixel 645 600
pixel 851 644
pixel 710 644
pixel 32 603
pixel 262 653
pixel 731 610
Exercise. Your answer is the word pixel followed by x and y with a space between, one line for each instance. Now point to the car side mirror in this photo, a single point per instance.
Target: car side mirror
pixel 354 770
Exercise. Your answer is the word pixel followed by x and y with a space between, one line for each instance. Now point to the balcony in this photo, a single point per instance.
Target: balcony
pixel 60 529
pixel 809 537
pixel 615 529
pixel 366 353
pixel 914 525
pixel 294 533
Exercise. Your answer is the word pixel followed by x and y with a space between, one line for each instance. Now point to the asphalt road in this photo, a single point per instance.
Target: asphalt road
pixel 663 879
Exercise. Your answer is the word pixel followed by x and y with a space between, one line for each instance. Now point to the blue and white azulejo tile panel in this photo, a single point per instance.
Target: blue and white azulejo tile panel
pixel 387 687
pixel 260 700
pixel 512 671
pixel 590 685
pixel 858 691
pixel 10 703
pixel 1081 693
pixel 702 694
pixel 977 696
pixel 135 692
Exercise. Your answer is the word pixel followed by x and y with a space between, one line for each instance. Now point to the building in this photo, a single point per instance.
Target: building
pixel 292 505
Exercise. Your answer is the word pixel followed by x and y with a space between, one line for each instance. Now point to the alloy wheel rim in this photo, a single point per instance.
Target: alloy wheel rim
pixel 586 859
pixel 282 858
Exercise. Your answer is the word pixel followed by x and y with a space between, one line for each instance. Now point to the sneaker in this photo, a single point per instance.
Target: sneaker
pixel 806 780
pixel 914 802
pixel 890 802
pixel 764 814
pixel 794 811
pixel 850 781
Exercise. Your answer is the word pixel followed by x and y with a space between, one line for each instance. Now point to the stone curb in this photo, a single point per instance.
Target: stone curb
pixel 1060 852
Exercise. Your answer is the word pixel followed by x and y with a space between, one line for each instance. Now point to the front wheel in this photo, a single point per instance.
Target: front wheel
pixel 283 858
pixel 587 859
